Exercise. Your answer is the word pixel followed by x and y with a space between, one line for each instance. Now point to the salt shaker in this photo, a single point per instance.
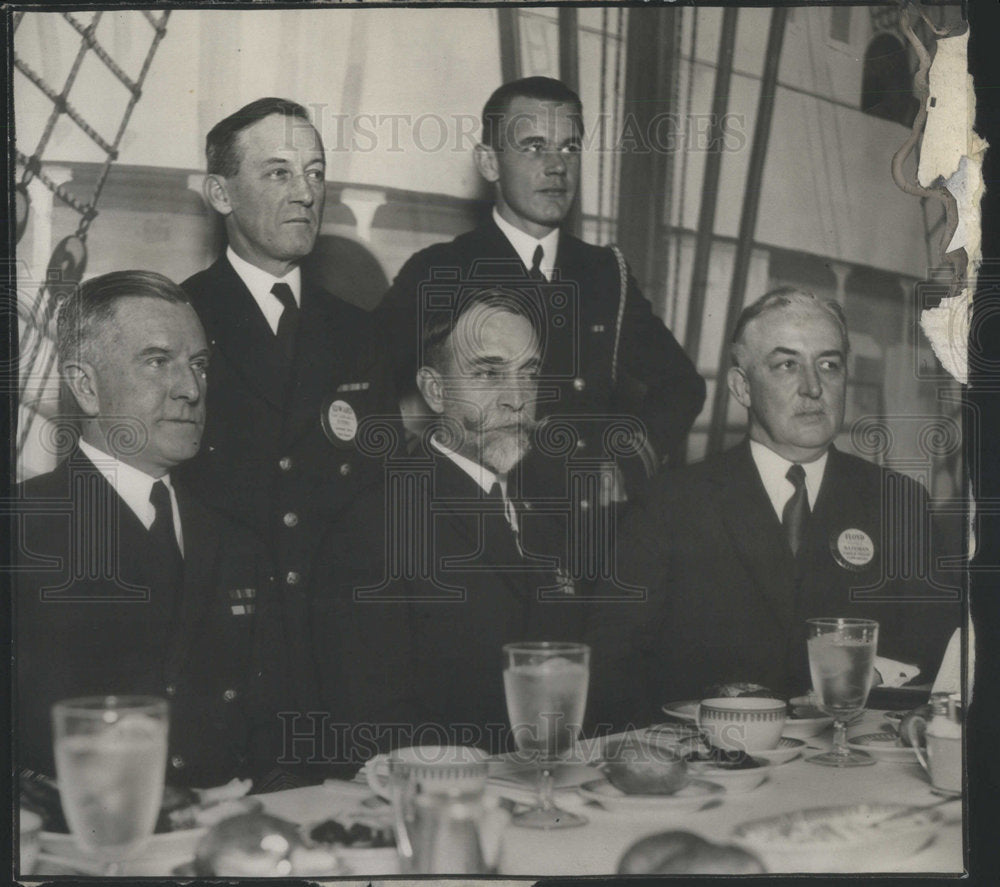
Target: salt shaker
pixel 943 761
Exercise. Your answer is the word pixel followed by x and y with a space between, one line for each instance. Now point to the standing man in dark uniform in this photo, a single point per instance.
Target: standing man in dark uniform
pixel 295 371
pixel 610 367
pixel 125 583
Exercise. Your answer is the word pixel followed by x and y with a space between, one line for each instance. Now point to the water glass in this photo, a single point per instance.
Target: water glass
pixel 111 754
pixel 842 665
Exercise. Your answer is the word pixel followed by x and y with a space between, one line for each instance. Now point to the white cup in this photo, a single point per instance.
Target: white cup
pixel 424 756
pixel 943 758
pixel 742 723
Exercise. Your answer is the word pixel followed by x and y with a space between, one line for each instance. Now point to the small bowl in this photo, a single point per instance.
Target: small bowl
pixel 644 768
pixel 742 723
pixel 733 781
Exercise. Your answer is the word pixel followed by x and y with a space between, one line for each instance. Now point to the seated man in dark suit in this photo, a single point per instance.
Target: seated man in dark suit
pixel 739 550
pixel 124 583
pixel 471 565
pixel 621 392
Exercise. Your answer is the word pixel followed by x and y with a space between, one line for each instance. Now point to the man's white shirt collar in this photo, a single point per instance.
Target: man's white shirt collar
pixel 524 244
pixel 482 476
pixel 134 487
pixel 260 283
pixel 772 469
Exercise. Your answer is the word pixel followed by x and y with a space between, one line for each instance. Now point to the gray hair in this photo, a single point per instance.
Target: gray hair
pixel 86 311
pixel 785 297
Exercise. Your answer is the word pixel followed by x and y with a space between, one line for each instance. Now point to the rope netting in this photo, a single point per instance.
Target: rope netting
pixel 69 258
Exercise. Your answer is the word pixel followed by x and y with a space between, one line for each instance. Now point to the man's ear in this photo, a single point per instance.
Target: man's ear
pixel 430 386
pixel 216 194
pixel 739 385
pixel 79 377
pixel 486 163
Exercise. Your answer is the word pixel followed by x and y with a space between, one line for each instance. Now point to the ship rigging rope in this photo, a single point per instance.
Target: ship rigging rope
pixel 69 258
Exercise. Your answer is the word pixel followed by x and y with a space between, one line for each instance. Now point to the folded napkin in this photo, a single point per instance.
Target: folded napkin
pixel 949 676
pixel 893 672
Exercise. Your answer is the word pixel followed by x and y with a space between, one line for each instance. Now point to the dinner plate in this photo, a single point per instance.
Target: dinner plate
pixel 788 747
pixel 687 709
pixel 161 854
pixel 883 747
pixel 695 795
pixel 854 838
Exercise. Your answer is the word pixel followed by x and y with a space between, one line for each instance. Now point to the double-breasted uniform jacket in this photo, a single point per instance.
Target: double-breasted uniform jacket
pixel 282 450
pixel 450 568
pixel 658 388
pixel 728 600
pixel 93 618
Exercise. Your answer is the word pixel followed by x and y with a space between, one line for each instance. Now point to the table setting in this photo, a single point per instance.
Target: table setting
pixel 736 783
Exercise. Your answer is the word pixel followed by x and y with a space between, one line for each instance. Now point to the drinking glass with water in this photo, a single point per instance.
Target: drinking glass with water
pixel 111 754
pixel 842 665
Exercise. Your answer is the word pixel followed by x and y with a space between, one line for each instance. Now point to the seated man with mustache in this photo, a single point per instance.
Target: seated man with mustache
pixel 472 566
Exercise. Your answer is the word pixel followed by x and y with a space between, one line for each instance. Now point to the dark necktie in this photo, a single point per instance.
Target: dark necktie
pixel 289 321
pixel 164 540
pixel 494 518
pixel 535 273
pixel 796 512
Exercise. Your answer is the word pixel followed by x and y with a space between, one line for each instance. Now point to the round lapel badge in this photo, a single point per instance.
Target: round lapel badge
pixel 853 549
pixel 340 422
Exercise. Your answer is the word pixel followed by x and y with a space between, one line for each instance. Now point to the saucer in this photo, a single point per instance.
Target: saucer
pixel 695 795
pixel 883 747
pixel 787 749
pixel 686 710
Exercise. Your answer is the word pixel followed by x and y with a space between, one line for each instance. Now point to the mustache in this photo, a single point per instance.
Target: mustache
pixel 526 425
pixel 481 429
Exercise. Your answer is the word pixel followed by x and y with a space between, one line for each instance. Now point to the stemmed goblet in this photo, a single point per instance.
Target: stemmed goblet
pixel 842 662
pixel 546 687
pixel 111 754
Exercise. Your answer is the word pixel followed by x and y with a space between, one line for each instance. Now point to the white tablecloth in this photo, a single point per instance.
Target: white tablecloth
pixel 596 848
